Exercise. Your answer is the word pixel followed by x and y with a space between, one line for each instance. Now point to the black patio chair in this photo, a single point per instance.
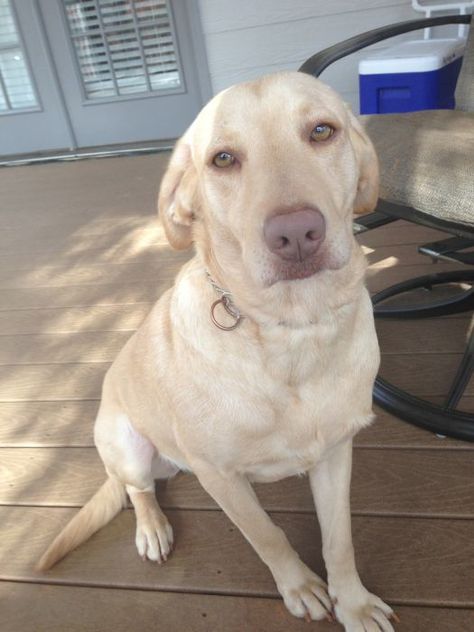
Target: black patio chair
pixel 427 177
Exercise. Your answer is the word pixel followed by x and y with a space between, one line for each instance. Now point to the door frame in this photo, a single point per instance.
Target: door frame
pixel 199 46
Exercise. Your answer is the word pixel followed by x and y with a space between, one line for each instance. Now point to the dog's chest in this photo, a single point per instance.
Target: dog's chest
pixel 299 404
pixel 292 431
pixel 289 442
pixel 269 406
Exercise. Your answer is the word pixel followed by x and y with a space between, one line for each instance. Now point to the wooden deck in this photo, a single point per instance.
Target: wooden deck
pixel 82 259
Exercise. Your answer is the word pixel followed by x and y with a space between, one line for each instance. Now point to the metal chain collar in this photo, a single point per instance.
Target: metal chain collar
pixel 228 305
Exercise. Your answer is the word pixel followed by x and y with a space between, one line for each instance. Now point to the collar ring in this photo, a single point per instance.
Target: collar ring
pixel 232 311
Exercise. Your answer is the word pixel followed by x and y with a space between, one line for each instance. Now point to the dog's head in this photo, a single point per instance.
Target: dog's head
pixel 267 179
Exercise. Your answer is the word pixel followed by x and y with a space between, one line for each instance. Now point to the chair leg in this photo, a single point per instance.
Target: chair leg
pixel 463 375
pixel 424 414
pixel 442 419
pixel 462 302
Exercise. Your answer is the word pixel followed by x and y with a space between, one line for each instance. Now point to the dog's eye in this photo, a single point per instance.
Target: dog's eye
pixel 322 132
pixel 223 159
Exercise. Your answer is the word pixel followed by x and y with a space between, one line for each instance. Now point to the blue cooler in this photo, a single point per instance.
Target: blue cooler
pixel 416 75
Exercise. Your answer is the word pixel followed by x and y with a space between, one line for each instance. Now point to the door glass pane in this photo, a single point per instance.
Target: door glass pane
pixel 16 88
pixel 123 46
pixel 8 34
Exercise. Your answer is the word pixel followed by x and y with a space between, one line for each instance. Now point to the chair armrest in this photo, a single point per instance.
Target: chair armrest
pixel 318 62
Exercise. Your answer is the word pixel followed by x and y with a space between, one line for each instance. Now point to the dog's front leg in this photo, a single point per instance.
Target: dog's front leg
pixel 356 608
pixel 304 593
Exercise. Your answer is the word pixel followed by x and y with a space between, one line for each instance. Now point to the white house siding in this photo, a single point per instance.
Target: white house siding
pixel 247 38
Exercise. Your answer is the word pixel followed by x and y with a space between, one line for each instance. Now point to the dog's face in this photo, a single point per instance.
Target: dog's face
pixel 267 179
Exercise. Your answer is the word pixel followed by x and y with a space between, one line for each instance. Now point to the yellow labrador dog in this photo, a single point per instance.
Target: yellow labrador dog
pixel 259 362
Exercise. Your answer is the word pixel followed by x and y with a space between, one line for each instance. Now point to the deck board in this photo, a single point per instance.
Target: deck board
pixel 440 482
pixel 75 381
pixel 388 557
pixel 62 348
pixel 103 345
pixel 55 276
pixel 51 382
pixel 147 287
pixel 82 259
pixel 70 424
pixel 60 320
pixel 400 233
pixel 47 424
pixel 79 296
pixel 60 608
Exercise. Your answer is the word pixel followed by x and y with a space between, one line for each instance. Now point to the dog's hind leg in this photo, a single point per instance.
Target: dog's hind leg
pixel 132 458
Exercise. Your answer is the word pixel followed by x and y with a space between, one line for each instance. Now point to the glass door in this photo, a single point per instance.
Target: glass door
pixel 86 73
pixel 127 67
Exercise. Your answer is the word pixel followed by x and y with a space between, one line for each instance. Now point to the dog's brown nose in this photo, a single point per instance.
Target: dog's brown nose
pixel 296 235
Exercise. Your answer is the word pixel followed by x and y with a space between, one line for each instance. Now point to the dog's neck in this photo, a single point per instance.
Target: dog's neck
pixel 288 304
pixel 295 304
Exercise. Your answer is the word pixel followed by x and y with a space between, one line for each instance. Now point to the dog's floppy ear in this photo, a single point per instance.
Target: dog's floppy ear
pixel 368 185
pixel 177 197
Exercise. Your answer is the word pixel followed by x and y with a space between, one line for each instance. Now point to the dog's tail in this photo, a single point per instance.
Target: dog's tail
pixel 106 503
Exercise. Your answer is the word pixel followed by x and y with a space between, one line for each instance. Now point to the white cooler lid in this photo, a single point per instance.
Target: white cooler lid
pixel 413 56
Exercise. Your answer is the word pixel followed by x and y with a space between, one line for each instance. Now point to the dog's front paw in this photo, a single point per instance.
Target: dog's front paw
pixel 361 611
pixel 154 538
pixel 305 594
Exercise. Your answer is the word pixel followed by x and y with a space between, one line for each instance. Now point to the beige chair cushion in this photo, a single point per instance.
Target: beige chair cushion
pixel 427 161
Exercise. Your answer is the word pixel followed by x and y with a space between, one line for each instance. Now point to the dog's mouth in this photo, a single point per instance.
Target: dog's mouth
pixel 281 270
pixel 293 271
pixel 278 269
pixel 271 269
